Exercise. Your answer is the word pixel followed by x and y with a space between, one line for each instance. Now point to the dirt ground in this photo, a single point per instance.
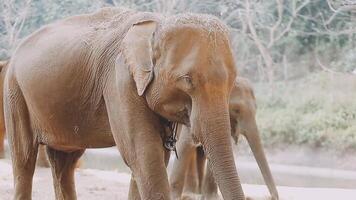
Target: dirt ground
pixel 94 184
pixel 90 184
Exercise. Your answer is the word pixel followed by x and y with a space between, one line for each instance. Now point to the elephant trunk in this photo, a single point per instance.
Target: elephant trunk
pixel 255 143
pixel 212 123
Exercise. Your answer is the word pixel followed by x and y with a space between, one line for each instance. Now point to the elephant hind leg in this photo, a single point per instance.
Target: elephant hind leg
pixel 63 166
pixel 22 141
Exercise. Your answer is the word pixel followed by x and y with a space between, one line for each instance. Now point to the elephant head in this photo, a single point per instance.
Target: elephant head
pixel 242 116
pixel 184 68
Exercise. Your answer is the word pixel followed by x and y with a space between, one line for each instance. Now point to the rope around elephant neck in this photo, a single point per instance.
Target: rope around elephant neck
pixel 171 141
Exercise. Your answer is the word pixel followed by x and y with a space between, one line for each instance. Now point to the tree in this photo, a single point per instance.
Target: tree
pixel 13 17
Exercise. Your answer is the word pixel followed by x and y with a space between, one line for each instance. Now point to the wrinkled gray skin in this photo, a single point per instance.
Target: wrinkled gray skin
pixel 189 174
pixel 42 159
pixel 115 77
pixel 3 66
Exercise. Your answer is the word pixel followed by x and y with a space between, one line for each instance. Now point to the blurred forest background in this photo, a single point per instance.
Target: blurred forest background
pixel 299 54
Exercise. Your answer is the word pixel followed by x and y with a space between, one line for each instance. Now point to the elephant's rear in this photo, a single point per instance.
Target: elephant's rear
pixel 55 73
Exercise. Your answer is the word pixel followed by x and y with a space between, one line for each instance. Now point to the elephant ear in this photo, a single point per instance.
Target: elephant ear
pixel 138 53
pixel 3 63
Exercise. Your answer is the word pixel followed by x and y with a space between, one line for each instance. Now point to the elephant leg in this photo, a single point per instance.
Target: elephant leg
pixel 149 170
pixel 137 132
pixel 133 192
pixel 2 146
pixel 144 153
pixel 201 162
pixel 2 120
pixel 185 148
pixel 210 188
pixel 63 166
pixel 191 182
pixel 22 142
pixel 42 160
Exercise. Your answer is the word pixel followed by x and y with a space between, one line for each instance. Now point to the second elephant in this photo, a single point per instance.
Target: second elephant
pixel 3 66
pixel 191 162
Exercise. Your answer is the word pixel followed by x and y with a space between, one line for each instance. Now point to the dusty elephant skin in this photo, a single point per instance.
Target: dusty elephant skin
pixel 192 160
pixel 42 159
pixel 115 77
pixel 3 66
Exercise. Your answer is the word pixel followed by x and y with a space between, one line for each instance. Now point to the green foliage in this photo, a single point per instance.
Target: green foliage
pixel 318 111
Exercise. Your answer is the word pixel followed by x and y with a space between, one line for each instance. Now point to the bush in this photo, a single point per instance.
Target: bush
pixel 317 111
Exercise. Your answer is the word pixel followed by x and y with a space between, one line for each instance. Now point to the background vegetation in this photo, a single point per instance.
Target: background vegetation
pixel 300 54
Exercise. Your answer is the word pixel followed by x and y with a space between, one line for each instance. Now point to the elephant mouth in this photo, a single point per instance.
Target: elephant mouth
pixel 183 117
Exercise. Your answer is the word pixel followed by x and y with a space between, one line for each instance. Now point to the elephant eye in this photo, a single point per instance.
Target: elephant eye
pixel 237 111
pixel 187 80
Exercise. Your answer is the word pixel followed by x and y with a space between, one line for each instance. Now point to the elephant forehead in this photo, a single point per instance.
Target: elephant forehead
pixel 187 48
pixel 207 23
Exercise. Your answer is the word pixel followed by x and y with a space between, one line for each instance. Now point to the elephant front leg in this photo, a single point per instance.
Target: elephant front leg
pixel 63 166
pixel 186 150
pixel 149 169
pixel 134 194
pixel 137 132
pixel 141 147
pixel 191 184
pixel 2 146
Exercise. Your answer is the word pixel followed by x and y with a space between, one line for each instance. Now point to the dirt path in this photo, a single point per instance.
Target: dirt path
pixel 109 185
pixel 90 184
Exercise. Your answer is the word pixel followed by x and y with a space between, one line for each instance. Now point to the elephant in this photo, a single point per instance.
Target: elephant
pixel 121 77
pixel 191 162
pixel 3 66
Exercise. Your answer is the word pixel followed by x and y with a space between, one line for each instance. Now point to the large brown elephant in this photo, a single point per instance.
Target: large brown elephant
pixel 3 65
pixel 189 172
pixel 120 77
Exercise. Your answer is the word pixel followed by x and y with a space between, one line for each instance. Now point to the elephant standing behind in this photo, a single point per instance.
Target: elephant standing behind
pixel 120 77
pixel 3 66
pixel 189 172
